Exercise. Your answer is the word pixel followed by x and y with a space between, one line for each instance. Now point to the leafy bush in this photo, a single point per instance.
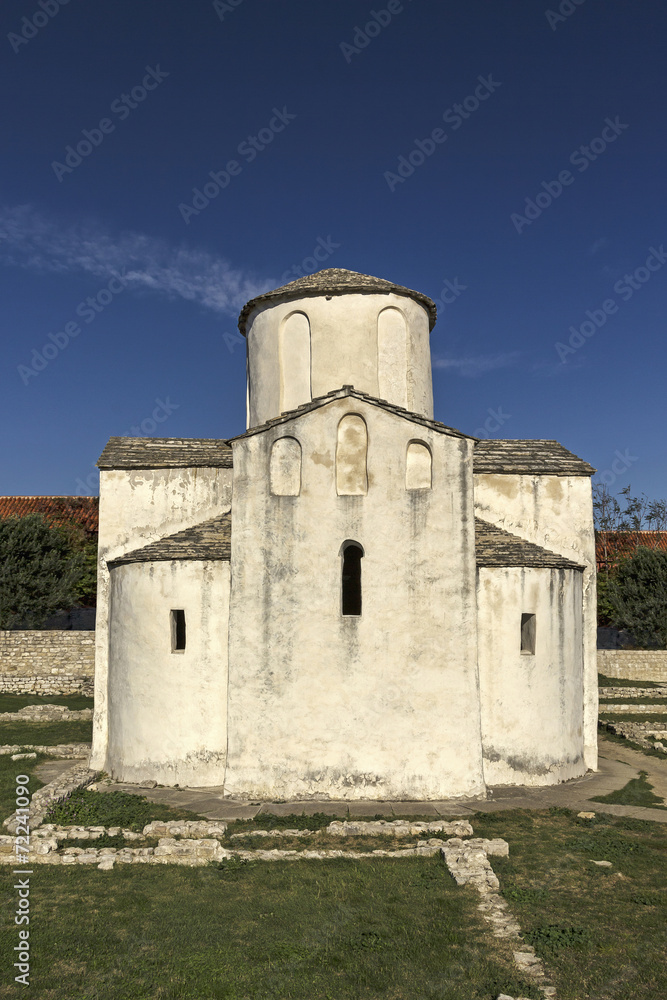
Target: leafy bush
pixel 550 938
pixel 637 594
pixel 40 571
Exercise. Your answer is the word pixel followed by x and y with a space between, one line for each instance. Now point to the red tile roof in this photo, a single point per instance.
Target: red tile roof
pixel 623 543
pixel 60 510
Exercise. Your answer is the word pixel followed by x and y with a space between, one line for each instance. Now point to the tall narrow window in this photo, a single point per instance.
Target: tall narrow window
pixel 527 633
pixel 177 631
pixel 351 582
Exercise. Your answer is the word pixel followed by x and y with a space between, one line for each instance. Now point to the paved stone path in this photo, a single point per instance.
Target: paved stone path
pixel 617 765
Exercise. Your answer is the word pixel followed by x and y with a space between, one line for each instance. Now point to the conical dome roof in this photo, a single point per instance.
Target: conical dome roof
pixel 335 281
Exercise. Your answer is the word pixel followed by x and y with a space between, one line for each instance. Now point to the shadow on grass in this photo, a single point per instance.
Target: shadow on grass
pixel 637 792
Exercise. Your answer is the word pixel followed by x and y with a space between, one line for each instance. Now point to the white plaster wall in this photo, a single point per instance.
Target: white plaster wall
pixel 532 723
pixel 384 706
pixel 555 512
pixel 168 710
pixel 344 351
pixel 138 506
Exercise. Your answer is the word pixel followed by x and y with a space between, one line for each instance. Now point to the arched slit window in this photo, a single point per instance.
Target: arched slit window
pixel 352 554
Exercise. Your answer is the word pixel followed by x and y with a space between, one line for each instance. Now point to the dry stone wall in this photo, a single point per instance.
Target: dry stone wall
pixel 633 664
pixel 46 662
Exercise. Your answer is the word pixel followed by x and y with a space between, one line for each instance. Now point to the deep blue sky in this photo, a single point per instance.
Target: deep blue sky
pixel 168 334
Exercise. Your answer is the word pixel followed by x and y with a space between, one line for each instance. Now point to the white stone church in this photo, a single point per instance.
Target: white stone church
pixel 350 600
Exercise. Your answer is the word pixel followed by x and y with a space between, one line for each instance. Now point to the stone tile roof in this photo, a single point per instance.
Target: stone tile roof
pixel 335 281
pixel 501 457
pixel 528 458
pixel 349 390
pixel 612 546
pixel 165 453
pixel 497 547
pixel 209 540
pixel 83 511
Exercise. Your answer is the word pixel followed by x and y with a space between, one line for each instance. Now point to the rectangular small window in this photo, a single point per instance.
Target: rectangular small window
pixel 527 633
pixel 177 631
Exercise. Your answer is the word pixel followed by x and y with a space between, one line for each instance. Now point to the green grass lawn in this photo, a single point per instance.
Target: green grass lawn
pixel 83 808
pixel 132 812
pixel 328 930
pixel 9 770
pixel 46 734
pixel 396 928
pixel 14 702
pixel 602 932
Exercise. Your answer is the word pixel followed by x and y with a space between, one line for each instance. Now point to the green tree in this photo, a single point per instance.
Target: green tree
pixel 79 541
pixel 637 595
pixel 40 571
pixel 618 534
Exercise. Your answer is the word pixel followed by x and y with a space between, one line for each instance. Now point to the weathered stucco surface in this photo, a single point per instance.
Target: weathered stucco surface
pixel 555 512
pixel 167 710
pixel 346 348
pixel 139 506
pixel 384 705
pixel 532 732
pixel 284 691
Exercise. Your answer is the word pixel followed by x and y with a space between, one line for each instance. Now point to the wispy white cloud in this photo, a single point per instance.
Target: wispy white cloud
pixel 32 241
pixel 473 367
